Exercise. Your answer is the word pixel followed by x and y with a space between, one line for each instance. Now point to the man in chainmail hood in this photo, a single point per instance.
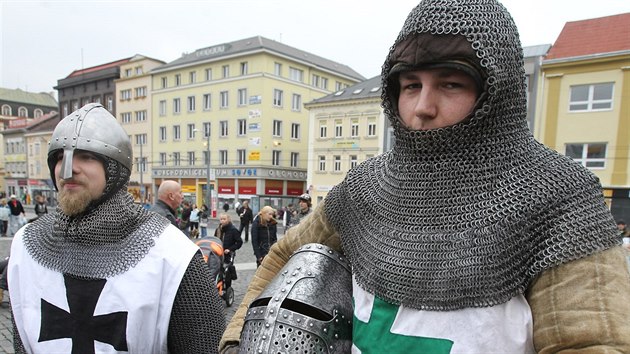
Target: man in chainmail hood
pixel 100 273
pixel 468 236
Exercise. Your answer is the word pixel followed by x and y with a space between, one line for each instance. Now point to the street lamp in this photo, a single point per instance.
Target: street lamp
pixel 208 191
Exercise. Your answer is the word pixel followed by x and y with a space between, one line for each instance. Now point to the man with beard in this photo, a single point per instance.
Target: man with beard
pixel 468 236
pixel 100 273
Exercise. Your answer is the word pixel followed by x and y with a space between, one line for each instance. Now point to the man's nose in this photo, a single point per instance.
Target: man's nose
pixel 426 103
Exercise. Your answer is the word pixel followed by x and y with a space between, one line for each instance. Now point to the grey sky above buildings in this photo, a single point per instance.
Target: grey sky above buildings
pixel 43 41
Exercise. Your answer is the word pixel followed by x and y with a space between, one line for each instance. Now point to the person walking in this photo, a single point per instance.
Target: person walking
pixel 169 199
pixel 232 241
pixel 4 217
pixel 194 221
pixel 264 233
pixel 468 235
pixel 40 206
pixel 101 273
pixel 246 215
pixel 17 217
pixel 304 208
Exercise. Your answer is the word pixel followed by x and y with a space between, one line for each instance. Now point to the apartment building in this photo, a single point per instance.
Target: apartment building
pixel 583 108
pixel 347 127
pixel 134 113
pixel 232 115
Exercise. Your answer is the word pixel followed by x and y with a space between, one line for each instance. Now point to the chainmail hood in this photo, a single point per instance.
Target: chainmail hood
pixel 467 215
pixel 115 236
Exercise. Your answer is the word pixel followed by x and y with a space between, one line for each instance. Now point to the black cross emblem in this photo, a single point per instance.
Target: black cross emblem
pixel 80 324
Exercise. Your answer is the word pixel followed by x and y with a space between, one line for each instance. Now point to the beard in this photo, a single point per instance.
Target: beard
pixel 74 203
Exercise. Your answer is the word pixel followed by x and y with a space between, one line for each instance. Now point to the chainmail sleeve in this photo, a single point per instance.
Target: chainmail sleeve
pixel 197 320
pixel 18 347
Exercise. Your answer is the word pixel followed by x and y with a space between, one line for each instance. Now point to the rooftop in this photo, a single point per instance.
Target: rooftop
pixel 19 96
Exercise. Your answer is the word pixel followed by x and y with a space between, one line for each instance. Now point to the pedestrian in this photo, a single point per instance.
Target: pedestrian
pixel 621 226
pixel 264 233
pixel 226 207
pixel 4 216
pixel 101 273
pixel 17 217
pixel 304 208
pixel 246 215
pixel 40 205
pixel 184 223
pixel 203 221
pixel 169 198
pixel 232 241
pixel 194 221
pixel 467 236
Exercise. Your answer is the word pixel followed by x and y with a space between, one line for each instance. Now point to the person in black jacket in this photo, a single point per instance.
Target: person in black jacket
pixel 264 233
pixel 232 241
pixel 245 212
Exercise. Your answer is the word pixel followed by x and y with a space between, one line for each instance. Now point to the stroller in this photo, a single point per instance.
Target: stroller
pixel 221 267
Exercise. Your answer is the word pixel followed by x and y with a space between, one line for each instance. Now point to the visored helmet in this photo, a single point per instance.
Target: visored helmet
pixel 90 128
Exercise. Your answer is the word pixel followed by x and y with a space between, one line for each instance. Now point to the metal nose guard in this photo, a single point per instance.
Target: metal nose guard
pixel 66 164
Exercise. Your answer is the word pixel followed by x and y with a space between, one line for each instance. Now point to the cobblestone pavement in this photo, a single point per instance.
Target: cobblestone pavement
pixel 245 268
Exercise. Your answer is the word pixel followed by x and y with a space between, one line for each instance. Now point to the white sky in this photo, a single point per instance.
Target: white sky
pixel 43 41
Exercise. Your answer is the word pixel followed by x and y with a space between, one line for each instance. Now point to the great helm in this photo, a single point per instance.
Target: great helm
pixel 306 308
pixel 90 128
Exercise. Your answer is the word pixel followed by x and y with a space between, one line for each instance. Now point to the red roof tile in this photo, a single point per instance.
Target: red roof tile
pixel 99 67
pixel 593 36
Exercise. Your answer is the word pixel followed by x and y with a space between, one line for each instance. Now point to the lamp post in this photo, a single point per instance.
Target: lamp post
pixel 208 191
pixel 141 168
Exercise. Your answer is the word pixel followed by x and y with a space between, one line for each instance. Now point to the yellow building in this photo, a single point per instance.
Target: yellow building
pixel 134 113
pixel 347 127
pixel 235 111
pixel 584 108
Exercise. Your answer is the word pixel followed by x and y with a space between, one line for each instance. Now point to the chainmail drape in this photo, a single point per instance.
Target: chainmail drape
pixel 467 215
pixel 115 235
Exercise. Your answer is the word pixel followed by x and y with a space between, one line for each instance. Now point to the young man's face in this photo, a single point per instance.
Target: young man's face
pixel 435 98
pixel 224 220
pixel 86 184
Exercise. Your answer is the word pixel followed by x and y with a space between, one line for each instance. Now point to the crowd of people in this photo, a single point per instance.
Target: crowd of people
pixel 466 223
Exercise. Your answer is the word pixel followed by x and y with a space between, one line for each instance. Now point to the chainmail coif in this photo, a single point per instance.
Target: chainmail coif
pixel 467 215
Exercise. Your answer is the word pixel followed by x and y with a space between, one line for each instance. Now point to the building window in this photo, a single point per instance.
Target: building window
pixel 64 109
pixel 128 72
pixel 206 159
pixel 242 127
pixel 323 130
pixel 315 80
pixel 225 69
pixel 277 69
pixel 191 103
pixel 208 74
pixel 177 106
pixel 141 139
pixel 593 97
pixel 242 156
pixel 162 133
pixel 224 128
pixel 277 97
pixel 592 155
pixel 141 91
pixel 162 159
pixel 295 131
pixel 337 163
pixel 244 68
pixel 371 129
pixel 192 76
pixel 38 113
pixel 277 128
pixel 354 129
pixel 206 130
pixel 353 161
pixel 164 80
pixel 125 117
pixel 177 159
pixel 6 110
pixel 191 158
pixel 141 164
pixel 296 103
pixel 275 157
pixel 242 97
pixel 141 116
pixel 125 95
pixel 162 108
pixel 294 159
pixel 296 74
pixel 177 134
pixel 207 102
pixel 324 84
pixel 191 131
pixel 178 79
pixel 338 129
pixel 224 99
pixel 223 156
pixel 138 70
pixel 322 163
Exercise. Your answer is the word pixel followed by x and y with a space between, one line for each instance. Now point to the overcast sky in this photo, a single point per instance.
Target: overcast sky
pixel 44 41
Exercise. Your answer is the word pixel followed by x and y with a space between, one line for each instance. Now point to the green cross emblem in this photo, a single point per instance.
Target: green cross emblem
pixel 376 337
